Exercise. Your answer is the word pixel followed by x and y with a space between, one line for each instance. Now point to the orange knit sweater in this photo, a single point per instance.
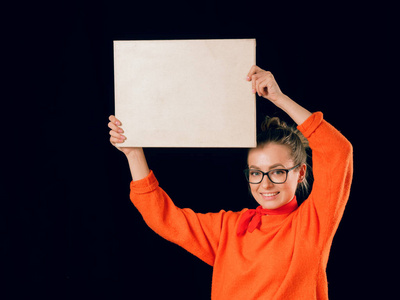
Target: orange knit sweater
pixel 286 257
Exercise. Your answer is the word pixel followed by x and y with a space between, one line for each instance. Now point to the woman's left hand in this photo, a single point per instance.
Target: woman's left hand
pixel 264 84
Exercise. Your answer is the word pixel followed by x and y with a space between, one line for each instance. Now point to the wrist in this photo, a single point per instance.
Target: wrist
pixel 283 101
pixel 134 151
pixel 137 164
pixel 298 113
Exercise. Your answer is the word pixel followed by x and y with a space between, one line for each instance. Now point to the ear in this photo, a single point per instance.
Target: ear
pixel 302 172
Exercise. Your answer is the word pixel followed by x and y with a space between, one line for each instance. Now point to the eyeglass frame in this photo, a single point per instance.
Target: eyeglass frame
pixel 267 173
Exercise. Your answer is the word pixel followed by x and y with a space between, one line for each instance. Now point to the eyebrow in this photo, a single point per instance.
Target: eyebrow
pixel 271 167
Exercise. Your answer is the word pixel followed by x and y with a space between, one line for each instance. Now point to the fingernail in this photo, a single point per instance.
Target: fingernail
pixel 254 91
pixel 248 78
pixel 117 123
pixel 120 130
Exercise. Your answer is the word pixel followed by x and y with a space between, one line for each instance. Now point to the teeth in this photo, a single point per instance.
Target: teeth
pixel 270 194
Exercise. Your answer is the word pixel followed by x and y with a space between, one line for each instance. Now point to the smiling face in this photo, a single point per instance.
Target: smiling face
pixel 268 157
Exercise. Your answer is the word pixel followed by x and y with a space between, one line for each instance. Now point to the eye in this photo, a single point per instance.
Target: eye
pixel 255 173
pixel 278 172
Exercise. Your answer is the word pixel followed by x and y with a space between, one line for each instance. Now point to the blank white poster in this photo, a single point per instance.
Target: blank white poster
pixel 185 93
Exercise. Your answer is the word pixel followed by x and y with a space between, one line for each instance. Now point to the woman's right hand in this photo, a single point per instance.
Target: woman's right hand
pixel 117 137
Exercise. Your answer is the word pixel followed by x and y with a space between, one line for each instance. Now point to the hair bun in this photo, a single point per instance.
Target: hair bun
pixel 273 123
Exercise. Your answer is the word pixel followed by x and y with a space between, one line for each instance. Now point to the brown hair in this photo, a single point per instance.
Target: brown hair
pixel 274 130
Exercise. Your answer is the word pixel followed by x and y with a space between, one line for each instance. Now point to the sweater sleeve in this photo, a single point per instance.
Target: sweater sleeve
pixel 195 232
pixel 332 159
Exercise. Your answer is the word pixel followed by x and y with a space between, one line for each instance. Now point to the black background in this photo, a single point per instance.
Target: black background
pixel 69 230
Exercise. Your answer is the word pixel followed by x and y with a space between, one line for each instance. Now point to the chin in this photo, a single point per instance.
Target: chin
pixel 270 201
pixel 271 204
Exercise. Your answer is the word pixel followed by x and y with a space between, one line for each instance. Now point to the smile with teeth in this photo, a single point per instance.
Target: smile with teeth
pixel 269 194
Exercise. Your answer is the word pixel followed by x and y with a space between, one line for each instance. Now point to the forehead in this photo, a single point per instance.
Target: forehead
pixel 268 155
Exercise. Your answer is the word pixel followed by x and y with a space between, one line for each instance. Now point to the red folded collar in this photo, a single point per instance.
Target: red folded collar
pixel 251 219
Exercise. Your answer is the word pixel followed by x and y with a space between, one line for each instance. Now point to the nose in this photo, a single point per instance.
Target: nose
pixel 266 183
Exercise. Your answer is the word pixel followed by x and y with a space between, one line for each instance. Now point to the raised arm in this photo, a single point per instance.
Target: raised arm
pixel 136 158
pixel 197 233
pixel 332 155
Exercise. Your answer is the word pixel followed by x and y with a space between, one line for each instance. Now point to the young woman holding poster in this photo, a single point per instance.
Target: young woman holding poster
pixel 279 250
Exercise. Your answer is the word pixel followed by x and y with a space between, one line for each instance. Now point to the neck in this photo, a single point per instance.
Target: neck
pixel 284 209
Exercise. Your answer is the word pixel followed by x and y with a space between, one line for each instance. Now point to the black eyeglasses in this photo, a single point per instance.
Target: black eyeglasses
pixel 277 176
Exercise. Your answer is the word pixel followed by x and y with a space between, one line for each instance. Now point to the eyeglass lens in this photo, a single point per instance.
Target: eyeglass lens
pixel 276 176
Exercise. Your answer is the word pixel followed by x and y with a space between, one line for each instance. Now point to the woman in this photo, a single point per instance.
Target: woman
pixel 279 250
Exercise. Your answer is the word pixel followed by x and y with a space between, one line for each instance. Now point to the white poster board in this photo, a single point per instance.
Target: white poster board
pixel 185 93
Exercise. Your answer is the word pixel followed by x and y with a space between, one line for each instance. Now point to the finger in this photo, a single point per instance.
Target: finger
pixel 254 79
pixel 117 135
pixel 253 70
pixel 115 141
pixel 262 86
pixel 114 127
pixel 113 119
